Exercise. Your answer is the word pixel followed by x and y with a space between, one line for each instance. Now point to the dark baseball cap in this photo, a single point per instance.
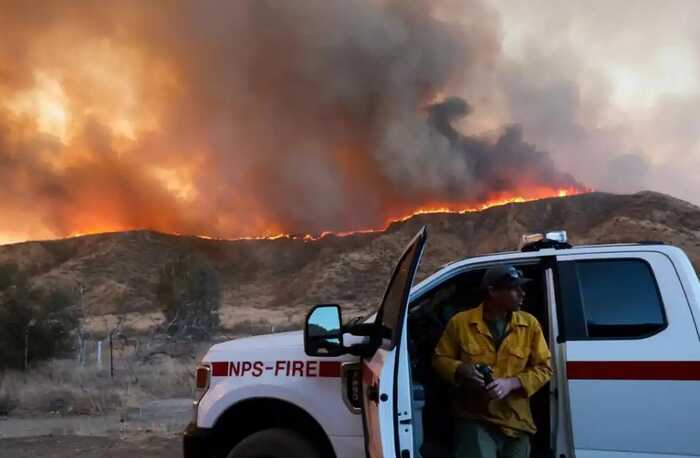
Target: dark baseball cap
pixel 503 276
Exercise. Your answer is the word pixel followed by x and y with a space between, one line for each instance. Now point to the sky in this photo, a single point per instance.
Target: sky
pixel 611 88
pixel 257 118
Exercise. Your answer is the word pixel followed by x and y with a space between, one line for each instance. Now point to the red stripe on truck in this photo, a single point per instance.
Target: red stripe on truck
pixel 219 369
pixel 633 370
pixel 329 369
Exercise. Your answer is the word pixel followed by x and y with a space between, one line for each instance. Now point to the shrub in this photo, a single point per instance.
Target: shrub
pixel 188 291
pixel 43 320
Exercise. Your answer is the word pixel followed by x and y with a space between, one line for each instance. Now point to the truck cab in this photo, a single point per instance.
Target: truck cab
pixel 621 322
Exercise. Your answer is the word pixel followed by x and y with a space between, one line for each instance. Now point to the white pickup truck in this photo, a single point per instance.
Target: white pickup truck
pixel 623 330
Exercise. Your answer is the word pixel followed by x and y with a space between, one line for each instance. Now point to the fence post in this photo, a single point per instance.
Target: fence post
pixel 99 355
pixel 30 325
pixel 111 358
pixel 26 348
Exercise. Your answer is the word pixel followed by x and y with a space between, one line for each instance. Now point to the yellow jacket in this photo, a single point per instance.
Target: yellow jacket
pixel 523 354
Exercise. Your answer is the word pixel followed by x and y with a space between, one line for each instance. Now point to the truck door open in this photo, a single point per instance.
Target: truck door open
pixel 386 407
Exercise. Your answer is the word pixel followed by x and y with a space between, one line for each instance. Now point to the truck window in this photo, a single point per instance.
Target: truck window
pixel 610 299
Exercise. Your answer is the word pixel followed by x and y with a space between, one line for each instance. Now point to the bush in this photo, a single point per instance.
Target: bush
pixel 8 402
pixel 9 274
pixel 44 320
pixel 188 291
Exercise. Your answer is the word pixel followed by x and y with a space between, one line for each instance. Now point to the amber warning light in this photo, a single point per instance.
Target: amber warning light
pixel 202 377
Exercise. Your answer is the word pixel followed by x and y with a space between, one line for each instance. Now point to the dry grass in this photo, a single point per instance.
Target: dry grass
pixel 63 387
pixel 146 368
pixel 260 326
pixel 232 319
pixel 236 321
pixel 135 322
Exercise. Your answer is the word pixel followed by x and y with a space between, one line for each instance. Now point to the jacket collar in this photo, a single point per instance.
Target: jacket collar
pixel 477 318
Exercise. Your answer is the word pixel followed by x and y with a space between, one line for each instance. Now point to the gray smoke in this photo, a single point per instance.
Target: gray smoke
pixel 281 116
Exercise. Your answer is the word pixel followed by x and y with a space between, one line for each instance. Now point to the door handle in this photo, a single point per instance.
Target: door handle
pixel 373 393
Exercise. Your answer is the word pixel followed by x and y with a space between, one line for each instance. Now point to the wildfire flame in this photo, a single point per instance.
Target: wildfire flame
pixel 495 201
pixel 537 194
pixel 150 118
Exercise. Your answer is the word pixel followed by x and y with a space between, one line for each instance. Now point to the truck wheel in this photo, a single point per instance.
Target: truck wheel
pixel 275 443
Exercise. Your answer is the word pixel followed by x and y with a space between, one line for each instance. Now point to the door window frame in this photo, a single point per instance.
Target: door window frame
pixel 396 333
pixel 572 315
pixel 455 271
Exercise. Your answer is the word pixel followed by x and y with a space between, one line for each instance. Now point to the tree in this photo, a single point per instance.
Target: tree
pixel 15 317
pixel 188 291
pixel 41 319
pixel 53 333
pixel 9 274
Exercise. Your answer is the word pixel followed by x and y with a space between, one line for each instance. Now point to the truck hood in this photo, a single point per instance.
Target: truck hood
pixel 291 339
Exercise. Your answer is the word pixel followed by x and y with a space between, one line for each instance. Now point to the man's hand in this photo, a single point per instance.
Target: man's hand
pixel 502 387
pixel 467 373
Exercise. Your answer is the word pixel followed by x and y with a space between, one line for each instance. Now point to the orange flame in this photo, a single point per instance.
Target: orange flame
pixel 495 201
pixel 537 194
pixel 499 200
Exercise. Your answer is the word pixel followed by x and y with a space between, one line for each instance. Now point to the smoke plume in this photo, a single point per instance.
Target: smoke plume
pixel 248 117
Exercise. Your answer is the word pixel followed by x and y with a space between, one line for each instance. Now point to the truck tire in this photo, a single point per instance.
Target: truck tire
pixel 275 443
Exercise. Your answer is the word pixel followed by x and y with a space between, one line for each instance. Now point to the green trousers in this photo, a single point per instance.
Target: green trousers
pixel 475 439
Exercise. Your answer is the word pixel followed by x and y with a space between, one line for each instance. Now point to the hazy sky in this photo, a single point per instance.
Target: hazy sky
pixel 610 88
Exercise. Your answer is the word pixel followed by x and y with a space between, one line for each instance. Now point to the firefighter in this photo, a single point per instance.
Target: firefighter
pixel 493 420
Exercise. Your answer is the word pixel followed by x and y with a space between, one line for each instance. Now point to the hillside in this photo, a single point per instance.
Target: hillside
pixel 281 278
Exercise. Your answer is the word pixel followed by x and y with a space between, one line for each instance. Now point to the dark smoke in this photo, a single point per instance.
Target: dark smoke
pixel 508 164
pixel 280 116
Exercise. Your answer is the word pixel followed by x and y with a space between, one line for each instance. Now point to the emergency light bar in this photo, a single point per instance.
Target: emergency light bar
pixel 532 242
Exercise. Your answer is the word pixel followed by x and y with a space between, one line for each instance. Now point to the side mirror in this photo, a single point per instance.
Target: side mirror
pixel 323 332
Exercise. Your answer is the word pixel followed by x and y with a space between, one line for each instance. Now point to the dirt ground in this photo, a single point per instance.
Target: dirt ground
pixel 146 446
pixel 154 430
